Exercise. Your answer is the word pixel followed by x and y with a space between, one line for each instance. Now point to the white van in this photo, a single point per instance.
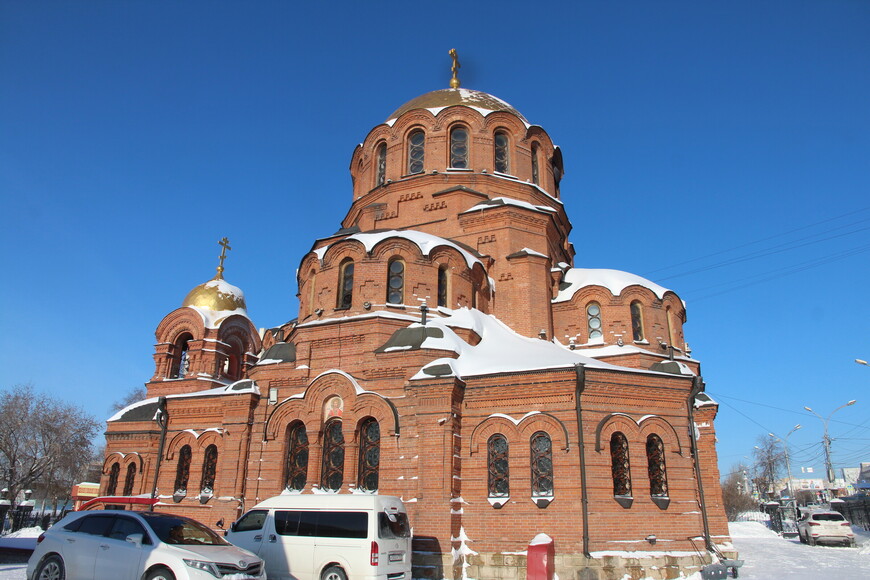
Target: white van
pixel 328 537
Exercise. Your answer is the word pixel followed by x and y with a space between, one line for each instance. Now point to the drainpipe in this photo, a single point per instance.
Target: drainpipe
pixel 580 371
pixel 698 387
pixel 162 419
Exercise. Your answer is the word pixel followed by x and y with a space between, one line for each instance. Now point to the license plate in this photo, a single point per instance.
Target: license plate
pixel 397 556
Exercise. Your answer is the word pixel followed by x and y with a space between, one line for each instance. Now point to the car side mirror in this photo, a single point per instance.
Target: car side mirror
pixel 135 539
pixel 220 523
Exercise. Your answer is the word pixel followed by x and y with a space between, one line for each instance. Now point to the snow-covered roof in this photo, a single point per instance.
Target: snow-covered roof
pixel 214 318
pixel 426 243
pixel 500 350
pixel 502 201
pixel 614 280
pixel 145 410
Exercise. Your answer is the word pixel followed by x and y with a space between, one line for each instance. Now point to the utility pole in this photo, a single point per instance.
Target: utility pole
pixel 787 463
pixel 826 439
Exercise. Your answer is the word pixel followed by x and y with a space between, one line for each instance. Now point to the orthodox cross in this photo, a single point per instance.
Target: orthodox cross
pixel 454 82
pixel 225 245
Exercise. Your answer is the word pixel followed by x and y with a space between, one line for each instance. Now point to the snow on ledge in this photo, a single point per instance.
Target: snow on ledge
pixel 614 280
pixel 426 243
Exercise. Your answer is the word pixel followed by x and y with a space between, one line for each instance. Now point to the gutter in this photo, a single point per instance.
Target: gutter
pixel 162 418
pixel 698 387
pixel 580 371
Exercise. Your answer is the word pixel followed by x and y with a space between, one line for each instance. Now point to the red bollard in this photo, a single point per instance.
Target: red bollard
pixel 540 559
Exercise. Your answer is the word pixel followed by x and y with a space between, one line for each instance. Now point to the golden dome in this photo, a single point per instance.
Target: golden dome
pixel 442 98
pixel 217 295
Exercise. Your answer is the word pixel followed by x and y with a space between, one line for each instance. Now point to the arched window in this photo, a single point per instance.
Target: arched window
pixel 182 472
pixel 381 172
pixel 296 470
pixel 345 284
pixel 332 470
pixel 114 473
pixel 233 362
pixel 497 459
pixel 502 152
pixel 637 321
pixel 369 454
pixel 442 285
pixel 655 457
pixel 396 281
pixel 416 151
pixel 542 465
pixel 209 469
pixel 619 465
pixel 130 479
pixel 312 291
pixel 593 321
pixel 180 360
pixel 536 178
pixel 459 148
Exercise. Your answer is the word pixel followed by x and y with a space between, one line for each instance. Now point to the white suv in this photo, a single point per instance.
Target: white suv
pixel 124 545
pixel 825 527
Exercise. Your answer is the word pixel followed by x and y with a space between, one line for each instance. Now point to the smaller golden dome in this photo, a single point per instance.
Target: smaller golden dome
pixel 217 295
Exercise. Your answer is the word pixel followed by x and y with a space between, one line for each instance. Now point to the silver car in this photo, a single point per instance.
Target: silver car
pixel 125 545
pixel 819 527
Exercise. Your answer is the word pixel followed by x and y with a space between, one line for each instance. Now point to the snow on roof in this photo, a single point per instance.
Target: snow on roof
pixel 614 280
pixel 214 318
pixel 359 390
pixel 373 314
pixel 426 243
pixel 239 387
pixel 500 201
pixel 500 350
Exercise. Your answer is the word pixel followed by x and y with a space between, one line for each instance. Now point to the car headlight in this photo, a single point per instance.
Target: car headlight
pixel 209 567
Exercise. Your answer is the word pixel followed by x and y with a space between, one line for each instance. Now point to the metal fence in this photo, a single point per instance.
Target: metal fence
pixel 856 509
pixel 16 519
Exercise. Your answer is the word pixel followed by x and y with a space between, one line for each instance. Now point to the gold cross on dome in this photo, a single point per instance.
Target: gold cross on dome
pixel 225 245
pixel 454 82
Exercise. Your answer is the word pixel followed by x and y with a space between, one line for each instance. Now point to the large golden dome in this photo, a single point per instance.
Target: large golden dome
pixel 483 102
pixel 217 295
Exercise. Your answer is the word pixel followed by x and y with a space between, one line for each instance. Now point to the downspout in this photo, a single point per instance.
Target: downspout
pixel 580 372
pixel 162 418
pixel 698 387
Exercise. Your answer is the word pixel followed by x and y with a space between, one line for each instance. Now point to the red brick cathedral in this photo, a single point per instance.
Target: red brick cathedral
pixel 446 351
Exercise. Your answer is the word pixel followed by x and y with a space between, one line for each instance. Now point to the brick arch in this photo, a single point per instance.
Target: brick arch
pixel 456 114
pixel 612 423
pixel 178 441
pixel 383 410
pixel 285 413
pixel 531 424
pixel 653 424
pixel 179 321
pixel 489 427
pixel 112 458
pixel 411 119
pixel 509 122
pixel 209 438
pixel 396 247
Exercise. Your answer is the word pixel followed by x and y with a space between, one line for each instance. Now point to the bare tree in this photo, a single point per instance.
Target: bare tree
pixel 736 493
pixel 135 395
pixel 44 443
pixel 769 461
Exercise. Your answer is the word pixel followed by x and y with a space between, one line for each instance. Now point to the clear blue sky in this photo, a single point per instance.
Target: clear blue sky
pixel 721 149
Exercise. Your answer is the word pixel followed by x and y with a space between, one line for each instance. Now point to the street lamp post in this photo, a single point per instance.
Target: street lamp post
pixel 826 440
pixel 787 463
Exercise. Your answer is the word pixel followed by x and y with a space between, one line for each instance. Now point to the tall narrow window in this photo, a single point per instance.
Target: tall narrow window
pixel 114 473
pixel 416 151
pixel 459 148
pixel 619 465
pixel 345 284
pixel 593 321
pixel 655 457
pixel 130 479
pixel 502 153
pixel 636 321
pixel 670 317
pixel 442 285
pixel 182 472
pixel 209 470
pixel 312 291
pixel 396 282
pixel 180 360
pixel 542 465
pixel 332 471
pixel 497 458
pixel 369 454
pixel 381 172
pixel 536 178
pixel 297 457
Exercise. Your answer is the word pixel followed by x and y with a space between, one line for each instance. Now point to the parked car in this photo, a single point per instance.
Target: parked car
pixel 125 545
pixel 819 527
pixel 328 537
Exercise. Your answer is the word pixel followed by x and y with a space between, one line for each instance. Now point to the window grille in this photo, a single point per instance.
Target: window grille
pixel 130 479
pixel 297 457
pixel 459 148
pixel 114 472
pixel 499 477
pixel 332 472
pixel 593 321
pixel 209 469
pixel 416 151
pixel 655 457
pixel 542 464
pixel 637 321
pixel 182 472
pixel 396 282
pixel 382 164
pixel 620 465
pixel 345 290
pixel 502 153
pixel 369 454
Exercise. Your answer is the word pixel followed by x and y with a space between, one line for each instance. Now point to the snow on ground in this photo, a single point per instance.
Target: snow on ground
pixel 766 556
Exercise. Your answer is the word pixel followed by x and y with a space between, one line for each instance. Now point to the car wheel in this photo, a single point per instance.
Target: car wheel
pixel 852 543
pixel 50 569
pixel 160 574
pixel 803 540
pixel 333 573
pixel 811 540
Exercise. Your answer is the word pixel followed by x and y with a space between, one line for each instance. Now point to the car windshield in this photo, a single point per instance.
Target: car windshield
pixel 828 517
pixel 180 530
